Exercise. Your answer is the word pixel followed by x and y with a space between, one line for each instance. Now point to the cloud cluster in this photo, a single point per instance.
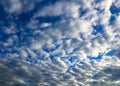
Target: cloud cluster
pixel 68 43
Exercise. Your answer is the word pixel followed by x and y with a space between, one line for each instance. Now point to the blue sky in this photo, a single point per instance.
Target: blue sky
pixel 67 38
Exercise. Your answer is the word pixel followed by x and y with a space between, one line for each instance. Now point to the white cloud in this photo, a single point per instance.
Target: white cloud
pixel 33 24
pixel 15 6
pixel 68 9
pixel 65 33
pixel 45 25
pixel 24 54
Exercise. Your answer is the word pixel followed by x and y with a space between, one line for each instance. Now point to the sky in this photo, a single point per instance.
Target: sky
pixel 59 42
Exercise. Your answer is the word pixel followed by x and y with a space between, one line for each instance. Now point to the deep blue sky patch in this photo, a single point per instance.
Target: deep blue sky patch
pixel 98 29
pixel 115 10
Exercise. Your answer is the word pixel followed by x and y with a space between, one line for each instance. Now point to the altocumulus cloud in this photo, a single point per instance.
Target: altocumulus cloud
pixel 59 43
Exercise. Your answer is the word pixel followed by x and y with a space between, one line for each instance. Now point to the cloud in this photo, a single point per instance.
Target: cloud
pixel 18 6
pixel 21 73
pixel 108 76
pixel 65 8
pixel 50 44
